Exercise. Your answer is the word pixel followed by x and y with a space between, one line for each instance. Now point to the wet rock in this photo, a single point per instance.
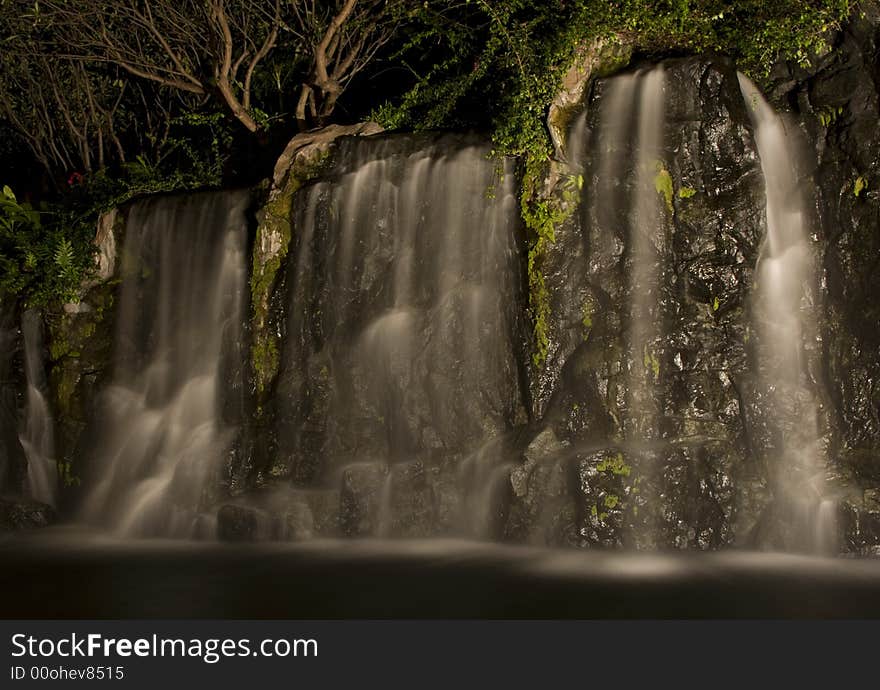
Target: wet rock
pixel 411 505
pixel 838 106
pixel 25 514
pixel 107 240
pixel 324 506
pixel 237 523
pixel 402 333
pixel 301 160
pixel 80 351
pixel 13 463
pixel 541 503
pixel 711 230
pixel 280 513
pixel 601 56
pixel 361 497
pixel 80 346
pixel 306 147
pixel 299 524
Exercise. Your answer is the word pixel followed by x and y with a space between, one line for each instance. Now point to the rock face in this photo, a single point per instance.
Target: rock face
pixel 599 58
pixel 837 106
pixel 372 416
pixel 680 492
pixel 301 160
pixel 25 515
pixel 80 343
pixel 708 481
pixel 402 322
pixel 13 463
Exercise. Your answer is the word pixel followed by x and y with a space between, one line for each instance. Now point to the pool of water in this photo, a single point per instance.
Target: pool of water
pixel 66 573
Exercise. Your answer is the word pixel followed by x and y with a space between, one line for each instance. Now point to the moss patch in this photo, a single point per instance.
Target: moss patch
pixel 859 186
pixel 543 214
pixel 79 343
pixel 663 184
pixel 274 232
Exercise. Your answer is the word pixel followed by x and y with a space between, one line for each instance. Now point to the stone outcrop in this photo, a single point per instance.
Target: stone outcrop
pixel 597 59
pixel 836 104
pixel 561 444
pixel 13 463
pixel 301 160
pixel 712 229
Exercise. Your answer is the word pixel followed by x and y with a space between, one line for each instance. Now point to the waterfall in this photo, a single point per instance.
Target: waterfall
pixel 784 323
pixel 629 214
pixel 400 346
pixel 37 436
pixel 163 439
pixel 628 221
pixel 646 247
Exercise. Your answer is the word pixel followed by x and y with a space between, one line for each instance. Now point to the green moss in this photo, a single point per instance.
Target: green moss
pixel 66 475
pixel 265 360
pixel 274 232
pixel 651 363
pixel 587 317
pixel 686 192
pixel 613 57
pixel 615 465
pixel 829 116
pixel 542 215
pixel 66 380
pixel 663 184
pixel 859 186
pixel 561 118
pixel 58 346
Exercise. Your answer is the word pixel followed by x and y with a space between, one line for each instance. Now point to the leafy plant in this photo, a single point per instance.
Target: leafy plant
pixel 39 261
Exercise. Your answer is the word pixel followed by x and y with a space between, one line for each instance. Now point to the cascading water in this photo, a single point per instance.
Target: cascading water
pixel 631 133
pixel 400 355
pixel 37 436
pixel 627 240
pixel 784 324
pixel 399 408
pixel 179 320
pixel 647 238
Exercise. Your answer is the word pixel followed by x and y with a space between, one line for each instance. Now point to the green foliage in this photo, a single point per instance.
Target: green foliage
pixel 859 186
pixel 492 63
pixel 829 116
pixel 41 258
pixel 686 192
pixel 191 156
pixel 517 50
pixel 663 184
pixel 45 255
